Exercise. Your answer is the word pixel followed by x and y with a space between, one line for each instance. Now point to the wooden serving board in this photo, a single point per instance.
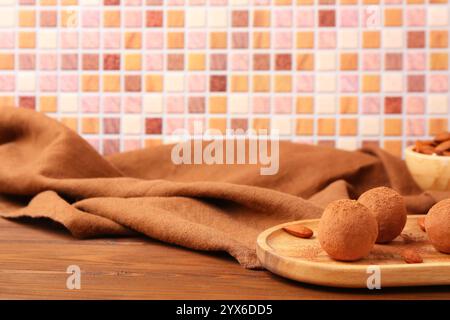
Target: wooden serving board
pixel 304 260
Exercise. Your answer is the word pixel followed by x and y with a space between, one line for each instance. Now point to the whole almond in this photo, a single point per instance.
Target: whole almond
pixel 444 146
pixel 441 137
pixel 425 149
pixel 299 230
pixel 421 223
pixel 411 256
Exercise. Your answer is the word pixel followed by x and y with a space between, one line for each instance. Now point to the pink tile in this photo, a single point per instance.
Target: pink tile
pixel 371 17
pixel 349 17
pixel 371 61
pixel 154 40
pixel 218 2
pixel 438 83
pixel 154 62
pixel 95 143
pixel 111 40
pixel 133 2
pixel 392 1
pixel 415 17
pixel 90 40
pixel 48 82
pixel 415 127
pixel 27 61
pixel 327 39
pixel 111 104
pixel 175 104
pixel 7 82
pixel 196 125
pixel 349 83
pixel 239 62
pixel 7 40
pixel 283 18
pixel 260 2
pixel 197 83
pixel 282 104
pixel 305 83
pixel 111 146
pixel 416 61
pixel 69 40
pixel 283 40
pixel 175 2
pixel 27 2
pixel 132 104
pixel 68 83
pixel 261 104
pixel 173 124
pixel 196 40
pixel 90 104
pixel 111 125
pixel 131 144
pixel 48 61
pixel 133 19
pixel 91 18
pixel 415 105
pixel 370 104
pixel 305 18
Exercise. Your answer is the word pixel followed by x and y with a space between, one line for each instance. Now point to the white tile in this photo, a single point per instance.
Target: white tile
pixel 325 104
pixel 392 38
pixel 7 18
pixel 349 144
pixel 369 126
pixel 239 2
pixel 131 124
pixel 47 39
pixel 238 103
pixel 348 39
pixel 26 81
pixel 392 82
pixel 7 2
pixel 153 103
pixel 282 125
pixel 174 82
pixel 217 18
pixel 68 102
pixel 326 61
pixel 90 2
pixel 438 15
pixel 438 104
pixel 195 17
pixel 326 82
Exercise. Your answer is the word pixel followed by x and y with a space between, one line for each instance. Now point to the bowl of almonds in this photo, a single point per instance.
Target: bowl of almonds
pixel 429 162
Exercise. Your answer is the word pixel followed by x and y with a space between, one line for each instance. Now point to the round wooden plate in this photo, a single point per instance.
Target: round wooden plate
pixel 304 260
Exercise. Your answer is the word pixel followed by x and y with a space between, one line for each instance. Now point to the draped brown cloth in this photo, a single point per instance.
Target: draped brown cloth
pixel 48 171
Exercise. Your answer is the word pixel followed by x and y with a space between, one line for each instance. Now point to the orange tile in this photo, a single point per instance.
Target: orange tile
pixel 133 40
pixel 218 104
pixel 261 18
pixel 371 83
pixel 346 2
pixel 69 2
pixel 7 101
pixel 48 104
pixel 48 2
pixel 349 105
pixel 261 40
pixel 70 122
pixel 196 61
pixel 6 61
pixel 153 83
pixel 348 127
pixel 175 18
pixel 304 127
pixel 370 1
pixel 90 83
pixel 175 40
pixel 439 61
pixel 349 61
pixel 27 40
pixel 305 104
pixel 283 83
pixel 437 125
pixel 218 40
pixel 27 18
pixel 90 125
pixel 393 17
pixel 261 83
pixel 371 39
pixel 133 62
pixel 111 19
pixel 305 2
pixel 438 39
pixel 261 124
pixel 69 18
pixel 305 40
pixel 218 124
pixel 239 83
pixel 326 126
pixel 393 127
pixel 394 147
pixel 305 61
pixel 111 83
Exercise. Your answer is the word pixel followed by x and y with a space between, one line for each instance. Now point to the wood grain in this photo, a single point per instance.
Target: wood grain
pixel 34 257
pixel 304 260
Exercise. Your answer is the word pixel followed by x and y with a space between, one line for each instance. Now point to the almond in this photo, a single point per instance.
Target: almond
pixel 444 146
pixel 411 256
pixel 299 230
pixel 421 223
pixel 425 149
pixel 441 137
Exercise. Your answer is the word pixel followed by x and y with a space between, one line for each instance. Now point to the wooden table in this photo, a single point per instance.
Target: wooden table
pixel 34 257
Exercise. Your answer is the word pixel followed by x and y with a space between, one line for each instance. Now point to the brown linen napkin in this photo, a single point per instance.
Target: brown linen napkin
pixel 47 170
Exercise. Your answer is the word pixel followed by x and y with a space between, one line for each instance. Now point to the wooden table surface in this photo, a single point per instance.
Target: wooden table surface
pixel 34 257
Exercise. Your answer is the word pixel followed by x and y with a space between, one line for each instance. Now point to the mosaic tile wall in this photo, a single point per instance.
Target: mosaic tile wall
pixel 127 73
